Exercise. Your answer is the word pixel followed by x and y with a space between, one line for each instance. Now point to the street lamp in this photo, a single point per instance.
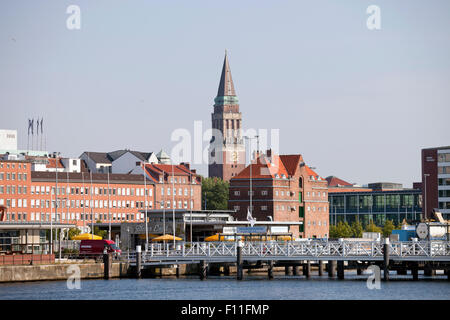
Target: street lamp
pixel 145 204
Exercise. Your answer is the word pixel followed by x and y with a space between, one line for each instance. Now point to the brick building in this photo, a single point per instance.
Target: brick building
pixel 83 197
pixel 227 150
pixel 284 188
pixel 436 181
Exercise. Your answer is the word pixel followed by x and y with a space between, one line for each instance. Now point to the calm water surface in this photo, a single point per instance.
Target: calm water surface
pixel 227 288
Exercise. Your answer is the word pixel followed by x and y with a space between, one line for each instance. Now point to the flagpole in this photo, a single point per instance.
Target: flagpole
pixel 190 202
pixel 145 204
pixel 109 209
pixel 173 204
pixel 90 206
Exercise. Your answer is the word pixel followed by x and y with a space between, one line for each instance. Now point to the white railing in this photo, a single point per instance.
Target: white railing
pixel 302 250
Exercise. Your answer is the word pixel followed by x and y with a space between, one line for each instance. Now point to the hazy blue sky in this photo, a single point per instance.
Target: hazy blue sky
pixel 358 104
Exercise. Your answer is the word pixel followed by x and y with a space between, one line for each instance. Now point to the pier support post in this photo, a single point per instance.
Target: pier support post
pixel 295 270
pixel 358 270
pixel 386 259
pixel 270 270
pixel 107 264
pixel 402 272
pixel 307 269
pixel 448 274
pixel 177 270
pixel 428 271
pixel 138 262
pixel 415 273
pixel 239 271
pixel 287 270
pixel 320 268
pixel 226 270
pixel 202 267
pixel 340 269
pixel 331 268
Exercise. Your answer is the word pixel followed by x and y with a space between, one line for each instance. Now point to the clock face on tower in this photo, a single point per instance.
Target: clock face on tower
pixel 234 156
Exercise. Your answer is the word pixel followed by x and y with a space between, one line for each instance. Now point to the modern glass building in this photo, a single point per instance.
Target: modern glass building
pixel 376 205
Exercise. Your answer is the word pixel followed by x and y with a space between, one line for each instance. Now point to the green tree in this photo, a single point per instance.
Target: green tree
pixel 387 228
pixel 73 232
pixel 341 230
pixel 101 233
pixel 333 232
pixel 215 192
pixel 371 227
pixel 357 229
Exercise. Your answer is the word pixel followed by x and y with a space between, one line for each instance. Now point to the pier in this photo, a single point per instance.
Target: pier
pixel 333 256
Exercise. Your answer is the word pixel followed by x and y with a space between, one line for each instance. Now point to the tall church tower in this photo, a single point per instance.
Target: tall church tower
pixel 227 149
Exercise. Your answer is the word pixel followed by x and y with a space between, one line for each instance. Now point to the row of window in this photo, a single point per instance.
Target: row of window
pixel 13 189
pixel 283 193
pixel 319 223
pixel 180 191
pixel 13 165
pixel 38 216
pixel 286 208
pixel 444 157
pixel 95 191
pixel 181 205
pixel 180 180
pixel 12 176
pixel 444 170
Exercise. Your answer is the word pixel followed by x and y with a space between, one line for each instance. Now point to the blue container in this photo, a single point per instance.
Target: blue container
pixel 405 235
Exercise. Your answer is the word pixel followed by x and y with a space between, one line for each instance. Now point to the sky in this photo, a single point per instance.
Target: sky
pixel 359 104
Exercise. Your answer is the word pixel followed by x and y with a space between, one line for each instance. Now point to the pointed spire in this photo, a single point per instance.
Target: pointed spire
pixel 226 86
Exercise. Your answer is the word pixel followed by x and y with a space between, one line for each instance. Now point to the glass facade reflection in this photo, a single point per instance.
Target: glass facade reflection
pixel 376 206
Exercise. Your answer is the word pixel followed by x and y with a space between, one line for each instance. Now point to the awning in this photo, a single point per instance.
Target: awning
pixel 86 236
pixel 166 237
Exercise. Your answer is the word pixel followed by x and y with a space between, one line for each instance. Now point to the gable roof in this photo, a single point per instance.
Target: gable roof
pixel 336 182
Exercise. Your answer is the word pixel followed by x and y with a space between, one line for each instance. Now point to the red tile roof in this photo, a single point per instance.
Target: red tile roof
pixel 155 170
pixel 53 163
pixel 336 182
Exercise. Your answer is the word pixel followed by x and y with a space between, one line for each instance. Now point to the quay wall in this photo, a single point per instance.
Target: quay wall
pixel 18 273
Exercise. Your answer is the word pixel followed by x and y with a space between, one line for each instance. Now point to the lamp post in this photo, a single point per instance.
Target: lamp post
pixel 145 204
pixel 190 203
pixel 109 208
pixel 173 204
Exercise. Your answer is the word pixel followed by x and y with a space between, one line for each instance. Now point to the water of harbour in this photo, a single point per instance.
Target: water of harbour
pixel 227 288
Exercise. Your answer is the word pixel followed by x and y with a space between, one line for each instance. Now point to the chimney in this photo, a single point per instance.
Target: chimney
pixel 269 153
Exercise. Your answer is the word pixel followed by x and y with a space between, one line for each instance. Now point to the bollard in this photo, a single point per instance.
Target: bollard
pixel 320 268
pixel 331 268
pixel 386 259
pixel 107 264
pixel 340 269
pixel 270 270
pixel 239 271
pixel 138 262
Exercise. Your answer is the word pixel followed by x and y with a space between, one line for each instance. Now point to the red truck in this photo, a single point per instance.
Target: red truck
pixel 96 248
